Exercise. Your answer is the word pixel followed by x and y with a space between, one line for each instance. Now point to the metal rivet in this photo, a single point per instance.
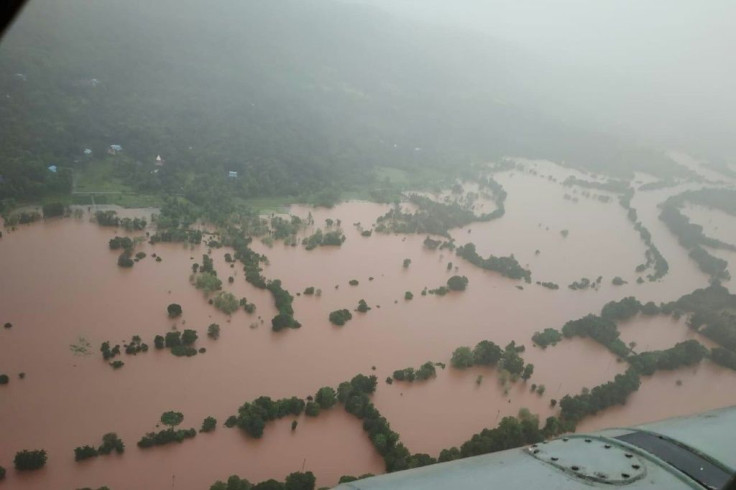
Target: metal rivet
pixel 629 455
pixel 635 466
pixel 625 475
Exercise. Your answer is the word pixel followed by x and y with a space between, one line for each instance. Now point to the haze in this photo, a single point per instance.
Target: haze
pixel 301 242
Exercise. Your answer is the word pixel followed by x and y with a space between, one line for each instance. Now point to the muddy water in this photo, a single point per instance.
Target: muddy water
pixel 66 400
pixel 61 282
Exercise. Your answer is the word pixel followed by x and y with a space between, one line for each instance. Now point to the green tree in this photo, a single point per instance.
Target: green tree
pixel 528 371
pixel 340 317
pixel 172 418
pixel 213 331
pixel 189 337
pixel 84 452
pixel 300 481
pixel 462 358
pixel 311 410
pixel 407 262
pixel 457 283
pixel 29 460
pixel 208 424
pixel 226 302
pixel 326 397
pixel 486 353
pixel 174 310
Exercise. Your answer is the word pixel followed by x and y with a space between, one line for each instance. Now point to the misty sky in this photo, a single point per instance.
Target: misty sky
pixel 677 54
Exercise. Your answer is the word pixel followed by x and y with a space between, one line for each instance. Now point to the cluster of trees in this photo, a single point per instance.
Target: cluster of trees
pixel 333 238
pixel 424 372
pixel 431 217
pixel 208 424
pixel 590 402
pixel 111 218
pixel 457 283
pixel 53 209
pixel 340 317
pixel 506 266
pixel 548 336
pixel 549 285
pixel 213 331
pixel 584 284
pixel 108 352
pixel 110 442
pixel 135 346
pixel 602 330
pixel 684 353
pixel 176 235
pixel 169 435
pixel 174 310
pixel 29 460
pixel 4 379
pixel 723 357
pixel 252 416
pixel 354 396
pixel 283 300
pixel 226 302
pixel 180 343
pixel 293 481
pixel 487 353
pixel 511 432
pixel 362 306
pixel 252 265
pixel 627 308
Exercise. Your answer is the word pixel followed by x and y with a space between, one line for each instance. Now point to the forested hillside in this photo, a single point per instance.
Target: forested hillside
pixel 298 96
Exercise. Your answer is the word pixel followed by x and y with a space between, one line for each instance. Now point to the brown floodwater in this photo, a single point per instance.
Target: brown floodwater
pixel 60 282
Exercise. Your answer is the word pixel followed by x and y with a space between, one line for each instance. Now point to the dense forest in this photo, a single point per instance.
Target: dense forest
pixel 262 89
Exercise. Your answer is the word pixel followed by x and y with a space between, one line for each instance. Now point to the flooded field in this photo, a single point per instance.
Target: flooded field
pixel 61 287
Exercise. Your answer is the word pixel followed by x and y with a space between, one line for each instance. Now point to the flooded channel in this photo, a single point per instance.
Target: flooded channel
pixel 61 286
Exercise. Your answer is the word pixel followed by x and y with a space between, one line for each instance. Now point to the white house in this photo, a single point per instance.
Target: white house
pixel 87 151
pixel 114 149
pixel 52 168
pixel 232 174
pixel 159 161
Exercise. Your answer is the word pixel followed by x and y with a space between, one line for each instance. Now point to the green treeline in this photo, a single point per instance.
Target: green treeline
pixel 602 330
pixel 252 267
pixel 575 408
pixel 682 354
pixel 549 336
pixel 431 217
pixel 506 266
pixel 712 311
pixel 169 435
pixel 318 239
pixel 293 481
pixel 511 432
pixel 110 442
pixel 424 372
pixel 691 236
pixel 653 256
pixel 340 317
pixel 252 416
